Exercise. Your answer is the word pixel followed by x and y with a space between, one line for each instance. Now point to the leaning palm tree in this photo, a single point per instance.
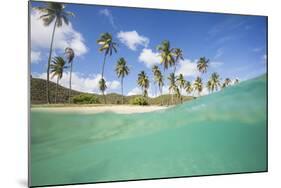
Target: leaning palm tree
pixel 181 83
pixel 215 81
pixel 143 82
pixel 69 53
pixel 160 82
pixel 57 67
pixel 198 85
pixel 172 85
pixel 107 45
pixel 155 71
pixel 167 55
pixel 188 87
pixel 202 64
pixel 178 56
pixel 122 70
pixel 53 12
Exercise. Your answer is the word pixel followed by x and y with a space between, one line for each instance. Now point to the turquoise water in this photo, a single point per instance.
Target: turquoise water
pixel 221 133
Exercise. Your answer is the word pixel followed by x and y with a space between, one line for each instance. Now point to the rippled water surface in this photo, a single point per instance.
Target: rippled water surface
pixel 224 132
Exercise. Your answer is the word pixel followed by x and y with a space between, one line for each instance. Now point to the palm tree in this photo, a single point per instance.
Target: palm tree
pixel 181 83
pixel 215 82
pixel 226 83
pixel 202 64
pixel 166 53
pixel 178 56
pixel 188 87
pixel 107 45
pixel 198 85
pixel 53 12
pixel 57 67
pixel 69 53
pixel 178 93
pixel 143 82
pixel 209 86
pixel 160 82
pixel 122 70
pixel 172 85
pixel 155 71
pixel 102 87
pixel 223 86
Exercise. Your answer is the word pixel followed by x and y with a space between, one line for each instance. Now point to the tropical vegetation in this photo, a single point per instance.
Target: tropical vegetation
pixel 122 70
pixel 57 67
pixel 170 57
pixel 69 53
pixel 107 45
pixel 53 12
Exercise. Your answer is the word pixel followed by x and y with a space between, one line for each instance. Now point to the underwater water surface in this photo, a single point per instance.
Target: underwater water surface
pixel 225 132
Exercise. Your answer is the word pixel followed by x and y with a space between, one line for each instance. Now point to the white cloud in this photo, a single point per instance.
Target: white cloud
pixel 114 84
pixel 132 39
pixel 65 36
pixel 83 83
pixel 138 91
pixel 187 68
pixel 149 58
pixel 135 91
pixel 219 53
pixel 35 56
pixel 151 91
pixel 216 64
pixel 109 15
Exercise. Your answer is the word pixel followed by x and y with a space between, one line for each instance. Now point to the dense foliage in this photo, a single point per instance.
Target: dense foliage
pixel 85 99
pixel 139 101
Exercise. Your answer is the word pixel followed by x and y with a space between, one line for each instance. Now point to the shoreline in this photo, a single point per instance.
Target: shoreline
pixel 119 109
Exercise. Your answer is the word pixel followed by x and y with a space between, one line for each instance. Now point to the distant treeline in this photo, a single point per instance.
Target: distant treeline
pixel 38 96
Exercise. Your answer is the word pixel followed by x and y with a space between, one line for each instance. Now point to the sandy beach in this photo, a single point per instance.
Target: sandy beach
pixel 120 109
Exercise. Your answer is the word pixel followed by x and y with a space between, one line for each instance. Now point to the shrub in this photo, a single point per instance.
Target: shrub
pixel 139 101
pixel 85 99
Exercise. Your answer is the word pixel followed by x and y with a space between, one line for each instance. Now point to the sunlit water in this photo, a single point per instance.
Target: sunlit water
pixel 224 132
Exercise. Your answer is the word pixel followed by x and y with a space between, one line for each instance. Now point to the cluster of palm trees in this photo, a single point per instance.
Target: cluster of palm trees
pixel 57 67
pixel 177 84
pixel 55 12
pixel 170 57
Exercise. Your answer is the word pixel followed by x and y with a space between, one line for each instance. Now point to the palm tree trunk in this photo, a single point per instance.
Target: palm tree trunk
pixel 104 98
pixel 122 90
pixel 103 64
pixel 49 63
pixel 155 85
pixel 172 98
pixel 160 90
pixel 181 95
pixel 69 91
pixel 164 83
pixel 57 90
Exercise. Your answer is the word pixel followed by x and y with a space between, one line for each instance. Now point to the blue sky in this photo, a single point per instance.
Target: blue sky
pixel 235 45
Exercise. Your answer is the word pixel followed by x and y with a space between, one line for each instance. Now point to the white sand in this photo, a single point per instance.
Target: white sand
pixel 120 109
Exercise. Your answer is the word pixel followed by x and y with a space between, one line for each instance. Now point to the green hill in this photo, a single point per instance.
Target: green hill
pixel 38 95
